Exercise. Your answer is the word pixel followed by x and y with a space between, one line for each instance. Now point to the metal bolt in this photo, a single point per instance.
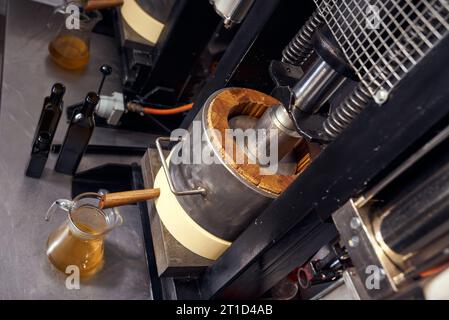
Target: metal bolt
pixel 354 241
pixel 381 96
pixel 355 223
pixel 227 23
pixel 78 117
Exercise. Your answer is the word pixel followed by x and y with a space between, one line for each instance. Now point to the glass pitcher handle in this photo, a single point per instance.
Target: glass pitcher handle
pixel 52 18
pixel 63 204
pixel 62 9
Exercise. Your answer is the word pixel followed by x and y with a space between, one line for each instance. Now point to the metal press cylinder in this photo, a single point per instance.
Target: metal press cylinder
pixel 316 86
pixel 416 219
pixel 279 127
pixel 231 202
pixel 233 11
pixel 328 70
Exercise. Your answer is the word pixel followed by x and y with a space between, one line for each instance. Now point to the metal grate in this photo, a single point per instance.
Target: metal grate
pixel 384 39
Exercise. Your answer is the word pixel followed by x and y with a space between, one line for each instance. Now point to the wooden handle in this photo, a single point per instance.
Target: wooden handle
pixel 117 199
pixel 102 4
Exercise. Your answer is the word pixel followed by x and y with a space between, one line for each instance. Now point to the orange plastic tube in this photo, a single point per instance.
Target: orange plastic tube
pixel 154 111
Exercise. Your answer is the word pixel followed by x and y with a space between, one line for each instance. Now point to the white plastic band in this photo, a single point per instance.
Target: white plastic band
pixel 182 227
pixel 141 22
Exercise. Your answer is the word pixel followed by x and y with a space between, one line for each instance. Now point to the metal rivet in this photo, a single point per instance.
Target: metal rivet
pixel 355 223
pixel 354 241
pixel 381 96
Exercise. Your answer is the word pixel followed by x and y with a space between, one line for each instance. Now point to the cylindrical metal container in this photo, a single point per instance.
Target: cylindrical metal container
pixel 208 196
pixel 231 202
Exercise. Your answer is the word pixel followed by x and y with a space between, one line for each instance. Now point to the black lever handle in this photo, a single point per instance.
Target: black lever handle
pixel 106 70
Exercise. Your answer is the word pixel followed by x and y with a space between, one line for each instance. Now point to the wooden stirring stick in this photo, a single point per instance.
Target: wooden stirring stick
pixel 117 199
pixel 102 4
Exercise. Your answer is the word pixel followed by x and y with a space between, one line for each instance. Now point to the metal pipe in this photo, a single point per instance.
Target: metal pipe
pixel 278 127
pixel 232 11
pixel 316 86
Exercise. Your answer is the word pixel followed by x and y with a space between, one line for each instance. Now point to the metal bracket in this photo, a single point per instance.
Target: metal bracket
pixel 370 261
pixel 309 126
pixel 199 190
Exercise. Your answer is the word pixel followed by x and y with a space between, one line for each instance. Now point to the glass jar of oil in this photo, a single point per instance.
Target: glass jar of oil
pixel 70 49
pixel 79 241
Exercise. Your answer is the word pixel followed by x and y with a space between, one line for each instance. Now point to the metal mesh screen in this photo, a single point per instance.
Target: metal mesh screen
pixel 384 39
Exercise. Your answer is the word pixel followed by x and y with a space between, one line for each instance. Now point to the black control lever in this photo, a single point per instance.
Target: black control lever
pixel 106 70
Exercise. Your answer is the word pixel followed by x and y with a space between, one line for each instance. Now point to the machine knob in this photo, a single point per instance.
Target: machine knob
pixel 106 70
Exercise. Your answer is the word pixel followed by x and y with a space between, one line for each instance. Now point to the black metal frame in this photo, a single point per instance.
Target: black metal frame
pixel 298 224
pixel 264 33
pixel 191 25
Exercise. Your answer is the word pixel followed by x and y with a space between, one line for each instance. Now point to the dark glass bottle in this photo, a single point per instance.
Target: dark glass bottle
pixel 45 131
pixel 78 135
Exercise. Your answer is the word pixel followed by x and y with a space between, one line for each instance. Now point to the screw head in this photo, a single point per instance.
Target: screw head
pixel 355 223
pixel 354 241
pixel 78 117
pixel 227 23
pixel 381 96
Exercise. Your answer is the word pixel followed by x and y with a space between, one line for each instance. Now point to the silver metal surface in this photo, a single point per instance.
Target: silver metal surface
pixel 232 11
pixel 384 39
pixel 231 202
pixel 317 85
pixel 193 191
pixel 25 272
pixel 413 227
pixel 335 291
pixel 348 287
pixel 390 231
pixel 352 283
pixel 278 126
pixel 367 256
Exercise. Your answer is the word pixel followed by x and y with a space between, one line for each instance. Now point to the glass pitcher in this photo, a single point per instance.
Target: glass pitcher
pixel 70 49
pixel 79 241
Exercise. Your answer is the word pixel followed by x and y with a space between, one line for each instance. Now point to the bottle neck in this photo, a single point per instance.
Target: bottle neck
pixel 88 110
pixel 90 103
pixel 57 93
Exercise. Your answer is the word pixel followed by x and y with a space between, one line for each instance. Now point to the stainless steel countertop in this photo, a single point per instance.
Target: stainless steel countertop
pixel 28 74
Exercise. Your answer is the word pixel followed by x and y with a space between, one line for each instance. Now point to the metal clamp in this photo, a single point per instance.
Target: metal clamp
pixel 198 190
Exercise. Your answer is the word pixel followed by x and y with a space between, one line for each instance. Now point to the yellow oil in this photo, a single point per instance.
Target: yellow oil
pixel 66 248
pixel 69 52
